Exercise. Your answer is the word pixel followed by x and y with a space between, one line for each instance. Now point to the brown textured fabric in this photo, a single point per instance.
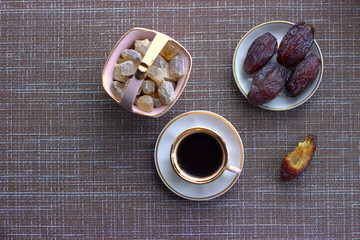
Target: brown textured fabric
pixel 76 165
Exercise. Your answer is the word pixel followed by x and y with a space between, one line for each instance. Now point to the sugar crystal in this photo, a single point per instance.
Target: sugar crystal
pixel 148 87
pixel 118 89
pixel 141 46
pixel 145 103
pixel 127 68
pixel 131 54
pixel 177 67
pixel 166 92
pixel 161 63
pixel 120 60
pixel 117 74
pixel 156 74
pixel 169 51
pixel 157 102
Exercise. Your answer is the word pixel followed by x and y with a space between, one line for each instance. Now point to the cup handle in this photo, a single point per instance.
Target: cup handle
pixel 233 169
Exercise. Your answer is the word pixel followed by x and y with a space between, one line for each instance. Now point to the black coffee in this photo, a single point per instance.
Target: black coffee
pixel 199 154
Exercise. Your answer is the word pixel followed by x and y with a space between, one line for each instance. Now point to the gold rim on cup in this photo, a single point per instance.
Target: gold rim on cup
pixel 187 177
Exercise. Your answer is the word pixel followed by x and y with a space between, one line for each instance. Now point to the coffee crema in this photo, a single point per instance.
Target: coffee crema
pixel 200 155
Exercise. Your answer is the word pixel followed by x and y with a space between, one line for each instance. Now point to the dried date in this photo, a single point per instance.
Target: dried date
pixel 303 75
pixel 294 163
pixel 295 44
pixel 267 84
pixel 260 52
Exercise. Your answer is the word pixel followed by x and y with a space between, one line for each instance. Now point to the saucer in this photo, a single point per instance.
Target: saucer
pixel 278 29
pixel 167 136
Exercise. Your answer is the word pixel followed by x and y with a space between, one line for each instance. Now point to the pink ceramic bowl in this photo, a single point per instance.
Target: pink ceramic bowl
pixel 127 41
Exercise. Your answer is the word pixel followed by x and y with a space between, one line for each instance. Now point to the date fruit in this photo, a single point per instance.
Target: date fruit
pixel 260 52
pixel 303 75
pixel 294 163
pixel 267 84
pixel 295 44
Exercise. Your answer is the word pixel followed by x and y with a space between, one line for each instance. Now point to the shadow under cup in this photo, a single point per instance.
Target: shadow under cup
pixel 199 155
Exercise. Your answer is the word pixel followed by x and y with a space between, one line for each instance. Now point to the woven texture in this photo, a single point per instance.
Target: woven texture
pixel 75 165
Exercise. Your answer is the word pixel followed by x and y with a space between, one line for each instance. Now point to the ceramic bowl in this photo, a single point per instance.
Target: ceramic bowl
pixel 278 29
pixel 127 41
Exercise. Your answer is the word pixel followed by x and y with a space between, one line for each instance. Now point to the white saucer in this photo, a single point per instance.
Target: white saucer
pixel 162 155
pixel 278 29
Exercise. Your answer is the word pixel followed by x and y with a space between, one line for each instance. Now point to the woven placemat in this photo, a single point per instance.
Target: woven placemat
pixel 76 165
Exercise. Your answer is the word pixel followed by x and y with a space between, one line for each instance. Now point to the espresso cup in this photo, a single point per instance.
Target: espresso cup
pixel 199 155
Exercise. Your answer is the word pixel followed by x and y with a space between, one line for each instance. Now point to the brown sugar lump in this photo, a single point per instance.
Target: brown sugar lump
pixel 141 46
pixel 156 99
pixel 118 89
pixel 117 74
pixel 160 62
pixel 156 74
pixel 169 51
pixel 157 102
pixel 148 87
pixel 166 92
pixel 131 54
pixel 177 68
pixel 164 65
pixel 120 60
pixel 127 68
pixel 145 103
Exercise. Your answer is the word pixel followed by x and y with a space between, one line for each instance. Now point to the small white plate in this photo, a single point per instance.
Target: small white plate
pixel 167 136
pixel 278 29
